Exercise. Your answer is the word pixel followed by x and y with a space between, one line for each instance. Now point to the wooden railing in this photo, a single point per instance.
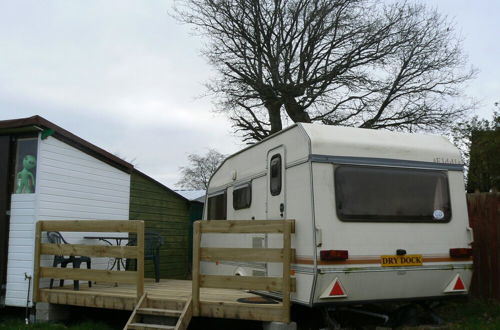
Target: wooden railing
pixel 108 226
pixel 284 255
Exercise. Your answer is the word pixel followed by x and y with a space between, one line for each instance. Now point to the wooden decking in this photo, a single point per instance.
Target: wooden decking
pixel 207 295
pixel 168 294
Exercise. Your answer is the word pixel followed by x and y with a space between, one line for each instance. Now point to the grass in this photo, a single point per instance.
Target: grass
pixel 80 319
pixel 473 314
pixel 465 315
pixel 16 324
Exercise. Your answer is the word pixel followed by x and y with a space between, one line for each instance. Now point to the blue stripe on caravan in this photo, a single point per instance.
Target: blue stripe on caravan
pixel 384 162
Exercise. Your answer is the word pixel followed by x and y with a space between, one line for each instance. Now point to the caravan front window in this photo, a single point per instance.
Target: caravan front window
pixel 385 194
pixel 217 207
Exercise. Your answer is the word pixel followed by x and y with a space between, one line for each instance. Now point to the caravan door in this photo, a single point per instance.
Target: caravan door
pixel 275 206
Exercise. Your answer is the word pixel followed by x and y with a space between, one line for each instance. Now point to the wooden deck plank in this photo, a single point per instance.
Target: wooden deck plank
pixel 245 282
pixel 242 282
pixel 89 250
pixel 245 226
pixel 88 274
pixel 242 254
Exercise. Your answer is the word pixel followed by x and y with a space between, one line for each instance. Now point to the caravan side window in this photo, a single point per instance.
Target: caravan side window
pixel 217 207
pixel 275 179
pixel 387 194
pixel 242 196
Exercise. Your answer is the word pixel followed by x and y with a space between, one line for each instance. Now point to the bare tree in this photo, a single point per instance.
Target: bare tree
pixel 345 62
pixel 197 174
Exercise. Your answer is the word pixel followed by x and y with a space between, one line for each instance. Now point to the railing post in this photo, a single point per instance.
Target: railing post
pixel 287 245
pixel 36 275
pixel 196 268
pixel 140 259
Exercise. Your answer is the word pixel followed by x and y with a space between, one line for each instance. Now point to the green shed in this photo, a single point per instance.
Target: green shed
pixel 167 213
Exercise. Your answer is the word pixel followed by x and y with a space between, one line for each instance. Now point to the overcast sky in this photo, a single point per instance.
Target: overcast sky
pixel 127 77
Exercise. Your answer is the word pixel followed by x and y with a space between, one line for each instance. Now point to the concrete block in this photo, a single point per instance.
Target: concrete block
pixel 279 326
pixel 50 312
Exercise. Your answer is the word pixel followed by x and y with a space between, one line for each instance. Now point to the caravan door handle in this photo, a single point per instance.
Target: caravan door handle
pixel 471 233
pixel 282 209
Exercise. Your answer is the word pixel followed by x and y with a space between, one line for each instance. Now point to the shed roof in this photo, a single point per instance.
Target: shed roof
pixel 193 195
pixel 40 124
pixel 37 123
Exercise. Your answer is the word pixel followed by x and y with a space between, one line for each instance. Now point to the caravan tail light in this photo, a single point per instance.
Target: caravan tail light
pixel 461 253
pixel 330 255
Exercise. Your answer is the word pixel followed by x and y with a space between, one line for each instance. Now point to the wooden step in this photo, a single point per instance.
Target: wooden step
pixel 146 326
pixel 159 312
pixel 183 317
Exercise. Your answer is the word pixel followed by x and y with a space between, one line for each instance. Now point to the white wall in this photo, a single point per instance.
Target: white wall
pixel 21 244
pixel 71 185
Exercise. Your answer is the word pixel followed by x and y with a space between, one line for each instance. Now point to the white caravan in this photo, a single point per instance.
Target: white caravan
pixel 379 215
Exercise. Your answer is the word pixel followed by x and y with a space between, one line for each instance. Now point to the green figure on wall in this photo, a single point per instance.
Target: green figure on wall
pixel 26 179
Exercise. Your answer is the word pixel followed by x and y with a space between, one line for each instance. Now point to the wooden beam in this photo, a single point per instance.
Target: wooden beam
pixel 242 254
pixel 244 226
pixel 36 270
pixel 287 246
pixel 134 316
pixel 264 312
pixel 122 226
pixel 87 299
pixel 185 318
pixel 89 275
pixel 89 250
pixel 244 282
pixel 140 259
pixel 196 269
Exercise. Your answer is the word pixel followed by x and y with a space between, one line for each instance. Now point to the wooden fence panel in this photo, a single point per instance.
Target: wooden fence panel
pixel 285 255
pixel 484 218
pixel 137 252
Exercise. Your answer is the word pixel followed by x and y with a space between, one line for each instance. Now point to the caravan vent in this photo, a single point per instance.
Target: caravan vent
pixel 257 242
pixel 258 273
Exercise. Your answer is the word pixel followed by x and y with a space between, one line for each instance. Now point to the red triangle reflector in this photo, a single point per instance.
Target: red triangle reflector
pixel 334 290
pixel 337 290
pixel 459 285
pixel 456 285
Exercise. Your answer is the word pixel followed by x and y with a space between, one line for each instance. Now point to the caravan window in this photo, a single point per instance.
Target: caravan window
pixel 275 177
pixel 387 194
pixel 217 207
pixel 242 196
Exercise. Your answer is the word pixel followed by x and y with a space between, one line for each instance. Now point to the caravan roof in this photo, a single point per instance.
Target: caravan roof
pixel 360 142
pixel 341 145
